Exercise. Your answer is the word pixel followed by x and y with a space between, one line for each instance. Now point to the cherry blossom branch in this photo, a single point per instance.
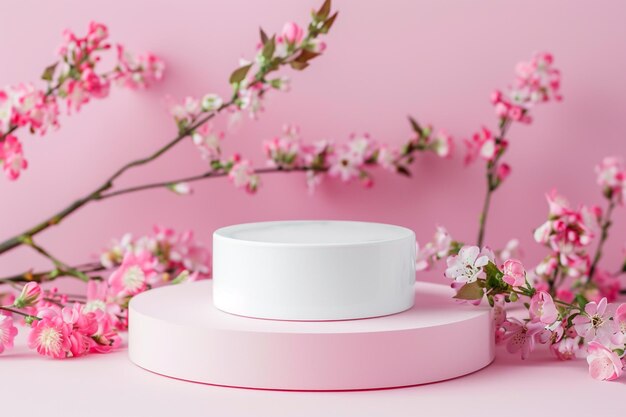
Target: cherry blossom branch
pixel 51 275
pixel 21 313
pixel 492 179
pixel 297 56
pixel 605 225
pixel 107 184
pixel 206 175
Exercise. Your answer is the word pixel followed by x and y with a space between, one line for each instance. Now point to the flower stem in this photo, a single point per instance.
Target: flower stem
pixel 556 300
pixel 605 225
pixel 206 175
pixel 61 266
pixel 492 183
pixel 18 240
pixel 21 313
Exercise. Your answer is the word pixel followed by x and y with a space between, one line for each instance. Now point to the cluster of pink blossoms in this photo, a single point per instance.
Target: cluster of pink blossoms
pixel 596 330
pixel 569 269
pixel 73 78
pixel 160 257
pixel 59 328
pixel 612 178
pixel 348 161
pixel 536 81
pixel 63 326
pixel 249 80
pixel 567 232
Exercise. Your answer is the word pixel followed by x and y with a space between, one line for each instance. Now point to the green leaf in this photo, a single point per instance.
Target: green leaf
pixel 298 65
pixel 239 74
pixel 620 352
pixel 263 35
pixel 48 73
pixel 470 291
pixel 570 319
pixel 269 48
pixel 328 23
pixel 455 247
pixel 306 56
pixel 494 276
pixel 415 126
pixel 323 12
pixel 182 277
pixel 582 301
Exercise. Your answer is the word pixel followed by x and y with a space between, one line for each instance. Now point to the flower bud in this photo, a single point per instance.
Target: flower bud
pixel 30 295
pixel 211 102
pixel 292 33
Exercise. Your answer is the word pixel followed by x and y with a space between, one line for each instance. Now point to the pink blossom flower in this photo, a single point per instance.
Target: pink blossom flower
pixel 512 249
pixel 29 296
pixel 187 254
pixel 90 85
pixel 284 151
pixel 133 274
pixel 96 34
pixel 612 178
pixel 7 332
pixel 83 325
pixel 138 72
pixel 211 102
pixel 566 349
pixel 503 171
pixel 514 273
pixel 565 294
pixel 50 336
pixel 595 323
pixel 619 319
pixel 32 107
pixel 499 311
pixel 604 364
pixel 207 140
pixel 537 81
pixel 292 33
pixel 557 204
pixel 250 99
pixel 105 337
pixel 608 284
pixel 567 232
pixel 96 86
pixel 483 144
pixel 6 110
pixel 521 337
pixel 242 175
pixel 542 308
pixel 99 298
pixel 12 157
pixel 442 144
pixel 387 158
pixel 186 111
pixel 347 161
pixel 547 266
pixel 345 165
pixel 468 265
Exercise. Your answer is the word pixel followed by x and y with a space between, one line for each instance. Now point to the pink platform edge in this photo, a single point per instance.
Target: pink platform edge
pixel 176 332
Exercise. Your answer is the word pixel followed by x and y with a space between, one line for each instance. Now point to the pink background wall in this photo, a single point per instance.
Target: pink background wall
pixel 436 60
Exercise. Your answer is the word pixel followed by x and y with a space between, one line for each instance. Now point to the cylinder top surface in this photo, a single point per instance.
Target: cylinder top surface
pixel 314 233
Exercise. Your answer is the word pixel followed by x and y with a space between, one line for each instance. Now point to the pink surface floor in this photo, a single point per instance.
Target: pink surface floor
pixel 131 391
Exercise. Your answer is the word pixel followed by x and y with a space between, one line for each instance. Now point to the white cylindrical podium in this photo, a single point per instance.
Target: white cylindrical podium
pixel 313 270
pixel 176 331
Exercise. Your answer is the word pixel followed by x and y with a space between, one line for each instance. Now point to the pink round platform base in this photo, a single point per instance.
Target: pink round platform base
pixel 177 332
